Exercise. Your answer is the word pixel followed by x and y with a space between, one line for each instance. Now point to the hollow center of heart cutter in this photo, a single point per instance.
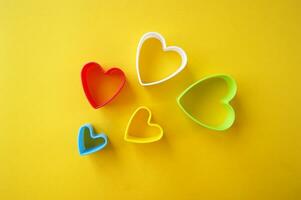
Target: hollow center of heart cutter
pixel 103 86
pixel 90 142
pixel 140 128
pixel 204 101
pixel 156 64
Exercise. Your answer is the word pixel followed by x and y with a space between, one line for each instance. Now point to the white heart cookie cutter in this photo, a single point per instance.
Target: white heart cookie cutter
pixel 159 37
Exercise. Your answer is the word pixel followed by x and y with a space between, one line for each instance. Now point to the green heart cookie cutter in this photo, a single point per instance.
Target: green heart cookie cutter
pixel 230 118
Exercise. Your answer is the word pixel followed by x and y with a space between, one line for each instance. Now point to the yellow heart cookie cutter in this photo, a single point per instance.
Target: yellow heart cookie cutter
pixel 130 138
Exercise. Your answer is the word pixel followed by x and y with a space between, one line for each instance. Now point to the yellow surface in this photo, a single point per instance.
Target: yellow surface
pixel 43 46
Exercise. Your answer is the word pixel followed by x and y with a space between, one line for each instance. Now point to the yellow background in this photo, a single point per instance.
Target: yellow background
pixel 43 46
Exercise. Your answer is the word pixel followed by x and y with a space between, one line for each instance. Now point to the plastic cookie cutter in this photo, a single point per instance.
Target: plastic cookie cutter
pixel 90 142
pixel 176 49
pixel 99 86
pixel 134 131
pixel 225 101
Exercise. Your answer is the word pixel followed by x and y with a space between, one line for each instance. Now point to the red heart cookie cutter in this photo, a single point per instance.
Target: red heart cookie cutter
pixel 101 86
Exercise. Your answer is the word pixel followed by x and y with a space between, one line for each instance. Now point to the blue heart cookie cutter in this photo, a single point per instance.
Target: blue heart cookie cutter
pixel 83 150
